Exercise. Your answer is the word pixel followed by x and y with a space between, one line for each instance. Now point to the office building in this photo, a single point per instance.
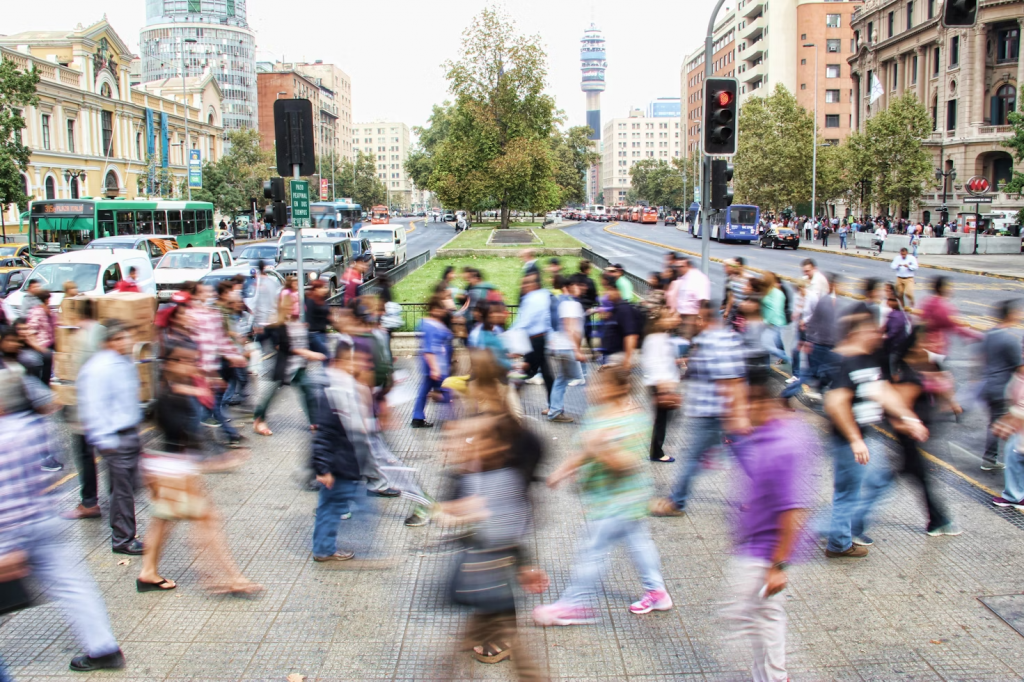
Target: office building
pixel 691 77
pixel 631 139
pixel 388 142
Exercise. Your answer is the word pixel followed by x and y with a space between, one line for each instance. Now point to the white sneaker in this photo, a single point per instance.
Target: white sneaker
pixel 578 382
pixel 536 380
pixel 791 380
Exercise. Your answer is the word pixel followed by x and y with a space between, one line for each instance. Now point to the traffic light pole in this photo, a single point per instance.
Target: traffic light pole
pixel 705 182
pixel 299 273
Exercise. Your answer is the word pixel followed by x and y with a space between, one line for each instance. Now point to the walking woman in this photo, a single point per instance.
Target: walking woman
pixel 659 358
pixel 291 339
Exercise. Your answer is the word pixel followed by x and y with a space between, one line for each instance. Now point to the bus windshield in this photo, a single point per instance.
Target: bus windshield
pixel 185 260
pixel 53 275
pixel 59 234
pixel 742 216
pixel 378 236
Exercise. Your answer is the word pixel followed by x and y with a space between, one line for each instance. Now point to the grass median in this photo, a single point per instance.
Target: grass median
pixel 476 238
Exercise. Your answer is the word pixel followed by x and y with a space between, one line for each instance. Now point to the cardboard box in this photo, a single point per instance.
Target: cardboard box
pixel 66 339
pixel 71 310
pixel 146 381
pixel 67 394
pixel 131 308
pixel 143 333
pixel 64 366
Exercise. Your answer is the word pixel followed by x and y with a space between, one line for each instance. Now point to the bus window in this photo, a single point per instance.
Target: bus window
pixel 106 226
pixel 159 222
pixel 206 221
pixel 143 222
pixel 174 222
pixel 189 219
pixel 125 223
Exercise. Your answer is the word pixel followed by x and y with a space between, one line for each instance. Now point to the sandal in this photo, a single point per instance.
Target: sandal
pixel 666 459
pixel 162 586
pixel 492 652
pixel 260 428
pixel 241 589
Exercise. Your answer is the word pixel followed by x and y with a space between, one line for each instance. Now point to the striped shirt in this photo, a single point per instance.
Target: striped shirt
pixel 25 444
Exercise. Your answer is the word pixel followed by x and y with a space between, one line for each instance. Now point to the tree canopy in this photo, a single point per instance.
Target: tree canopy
pixel 17 90
pixel 900 166
pixel 237 176
pixel 658 182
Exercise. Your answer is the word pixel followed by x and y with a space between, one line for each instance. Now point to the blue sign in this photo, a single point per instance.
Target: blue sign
pixel 195 169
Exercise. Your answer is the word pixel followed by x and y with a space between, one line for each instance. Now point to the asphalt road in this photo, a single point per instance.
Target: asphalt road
pixel 958 444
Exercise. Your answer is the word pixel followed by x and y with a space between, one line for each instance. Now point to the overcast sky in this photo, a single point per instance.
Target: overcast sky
pixel 393 49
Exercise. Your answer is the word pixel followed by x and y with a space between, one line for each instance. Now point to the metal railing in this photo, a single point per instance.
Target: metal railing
pixel 640 285
pixel 413 313
pixel 394 275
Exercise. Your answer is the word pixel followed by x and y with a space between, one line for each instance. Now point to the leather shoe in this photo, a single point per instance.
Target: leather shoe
pixel 86 663
pixel 386 492
pixel 133 548
pixel 82 512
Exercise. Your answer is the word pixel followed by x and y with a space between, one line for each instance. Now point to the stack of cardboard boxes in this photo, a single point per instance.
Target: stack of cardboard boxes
pixel 135 310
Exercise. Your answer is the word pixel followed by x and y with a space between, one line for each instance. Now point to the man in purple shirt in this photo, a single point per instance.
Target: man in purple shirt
pixel 775 458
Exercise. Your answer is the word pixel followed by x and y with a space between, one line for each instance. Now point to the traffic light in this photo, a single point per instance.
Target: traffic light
pixel 276 212
pixel 720 116
pixel 721 176
pixel 959 13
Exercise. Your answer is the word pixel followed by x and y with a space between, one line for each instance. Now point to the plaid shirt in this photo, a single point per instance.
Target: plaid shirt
pixel 717 355
pixel 40 323
pixel 27 440
pixel 211 341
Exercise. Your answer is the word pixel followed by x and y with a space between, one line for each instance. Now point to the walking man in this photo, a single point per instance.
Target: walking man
pixel 108 403
pixel 905 266
pixel 1001 356
pixel 535 319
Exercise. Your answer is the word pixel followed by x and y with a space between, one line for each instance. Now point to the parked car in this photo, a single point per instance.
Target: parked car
pixel 226 238
pixel 670 219
pixel 12 278
pixel 95 271
pixel 254 253
pixel 155 246
pixel 188 265
pixel 780 237
pixel 449 217
pixel 325 259
pixel 248 287
pixel 361 245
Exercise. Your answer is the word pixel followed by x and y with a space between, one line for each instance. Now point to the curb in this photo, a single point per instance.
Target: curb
pixel 946 268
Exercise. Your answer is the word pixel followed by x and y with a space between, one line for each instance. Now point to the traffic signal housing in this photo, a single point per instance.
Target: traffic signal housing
pixel 720 109
pixel 721 176
pixel 959 13
pixel 276 211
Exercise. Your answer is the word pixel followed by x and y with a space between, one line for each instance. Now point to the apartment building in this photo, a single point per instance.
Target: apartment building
pixel 692 79
pixel 631 139
pixel 335 103
pixel 969 79
pixel 389 143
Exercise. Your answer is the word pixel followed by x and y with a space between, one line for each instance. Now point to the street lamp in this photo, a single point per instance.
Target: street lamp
pixel 814 152
pixel 72 175
pixel 184 99
pixel 945 177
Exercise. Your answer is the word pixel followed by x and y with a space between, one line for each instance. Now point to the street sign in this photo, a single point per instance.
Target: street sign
pixel 195 169
pixel 300 203
pixel 977 200
pixel 323 189
pixel 978 185
pixel 980 209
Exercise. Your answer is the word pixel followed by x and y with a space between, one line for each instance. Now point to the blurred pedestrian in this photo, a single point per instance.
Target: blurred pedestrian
pixel 564 345
pixel 659 359
pixel 435 359
pixel 1000 356
pixel 535 320
pixel 41 326
pixel 130 283
pixel 620 328
pixel 905 266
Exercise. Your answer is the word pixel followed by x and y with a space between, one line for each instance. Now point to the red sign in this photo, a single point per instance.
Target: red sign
pixel 323 189
pixel 978 185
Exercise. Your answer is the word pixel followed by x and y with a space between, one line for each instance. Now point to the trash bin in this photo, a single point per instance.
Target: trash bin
pixel 953 245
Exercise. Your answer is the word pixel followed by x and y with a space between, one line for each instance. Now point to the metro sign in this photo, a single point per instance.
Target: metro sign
pixel 978 185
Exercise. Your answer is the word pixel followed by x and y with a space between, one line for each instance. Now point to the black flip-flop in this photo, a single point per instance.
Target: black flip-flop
pixel 662 460
pixel 143 586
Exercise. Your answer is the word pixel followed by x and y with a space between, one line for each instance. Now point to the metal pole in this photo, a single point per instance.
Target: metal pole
pixel 184 97
pixel 299 273
pixel 705 197
pixel 814 141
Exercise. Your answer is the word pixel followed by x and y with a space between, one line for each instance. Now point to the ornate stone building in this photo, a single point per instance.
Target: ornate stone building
pixel 969 80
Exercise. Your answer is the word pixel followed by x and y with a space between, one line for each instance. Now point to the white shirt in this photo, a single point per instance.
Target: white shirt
pixel 693 288
pixel 881 233
pixel 904 266
pixel 818 283
pixel 570 316
pixel 658 359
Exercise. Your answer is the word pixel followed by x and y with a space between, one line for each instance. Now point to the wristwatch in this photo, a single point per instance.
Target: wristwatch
pixel 780 565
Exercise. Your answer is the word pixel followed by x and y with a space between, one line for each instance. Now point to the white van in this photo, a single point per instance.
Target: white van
pixel 388 244
pixel 95 271
pixel 288 235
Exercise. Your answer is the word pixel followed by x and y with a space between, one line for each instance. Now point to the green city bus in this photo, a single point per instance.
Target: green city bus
pixel 59 225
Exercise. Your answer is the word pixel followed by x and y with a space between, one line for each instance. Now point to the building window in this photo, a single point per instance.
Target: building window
pixel 74 188
pixel 832 71
pixel 913 73
pixel 45 128
pixel 831 142
pixel 871 32
pixel 891 19
pixel 1007 45
pixel 831 120
pixel 803 36
pixel 833 45
pixel 910 15
pixel 853 42
pixel 951 115
pixel 936 61
pixel 803 86
pixel 895 75
pixel 107 125
pixel 832 20
pixel 138 146
pixel 803 62
pixel 195 6
pixel 51 189
pixel 931 8
pixel 1003 104
pixel 954 51
pixel 832 96
pixel 71 135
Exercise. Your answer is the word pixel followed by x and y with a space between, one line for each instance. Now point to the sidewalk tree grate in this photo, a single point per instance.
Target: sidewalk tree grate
pixel 512 237
pixel 1009 607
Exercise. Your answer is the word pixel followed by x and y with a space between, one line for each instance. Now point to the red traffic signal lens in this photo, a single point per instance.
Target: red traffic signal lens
pixel 724 98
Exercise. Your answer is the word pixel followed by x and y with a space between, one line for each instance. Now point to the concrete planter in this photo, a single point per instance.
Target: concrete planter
pixel 989 245
pixel 931 246
pixel 504 253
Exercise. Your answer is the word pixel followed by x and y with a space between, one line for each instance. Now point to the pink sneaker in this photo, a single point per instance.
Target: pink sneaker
pixel 655 600
pixel 562 614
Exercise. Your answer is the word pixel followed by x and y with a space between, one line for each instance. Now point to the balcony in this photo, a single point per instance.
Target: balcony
pixel 752 8
pixel 753 29
pixel 754 72
pixel 751 50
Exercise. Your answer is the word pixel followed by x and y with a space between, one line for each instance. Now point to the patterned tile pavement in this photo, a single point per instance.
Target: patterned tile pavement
pixel 907 612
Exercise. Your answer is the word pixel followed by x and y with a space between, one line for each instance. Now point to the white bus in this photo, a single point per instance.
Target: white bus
pixel 597 212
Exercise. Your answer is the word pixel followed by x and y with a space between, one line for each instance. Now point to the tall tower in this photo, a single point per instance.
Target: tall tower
pixel 593 64
pixel 224 45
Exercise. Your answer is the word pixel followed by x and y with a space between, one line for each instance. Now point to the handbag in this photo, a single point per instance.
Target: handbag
pixel 14 594
pixel 483 579
pixel 175 486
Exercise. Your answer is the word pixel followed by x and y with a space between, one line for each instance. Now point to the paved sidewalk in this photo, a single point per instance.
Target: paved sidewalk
pixel 910 611
pixel 1009 266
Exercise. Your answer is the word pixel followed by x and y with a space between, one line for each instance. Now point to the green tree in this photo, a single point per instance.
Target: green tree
pixel 497 146
pixel 689 172
pixel 238 175
pixel 901 166
pixel 574 154
pixel 773 154
pixel 658 182
pixel 419 165
pixel 17 90
pixel 1016 143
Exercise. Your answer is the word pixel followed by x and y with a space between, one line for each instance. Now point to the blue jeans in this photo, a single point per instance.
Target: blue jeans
pixel 331 504
pixel 567 368
pixel 1013 477
pixel 218 414
pixel 771 339
pixel 856 489
pixel 842 240
pixel 318 342
pixel 707 433
pixel 604 535
pixel 55 565
pixel 426 386
pixel 820 364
